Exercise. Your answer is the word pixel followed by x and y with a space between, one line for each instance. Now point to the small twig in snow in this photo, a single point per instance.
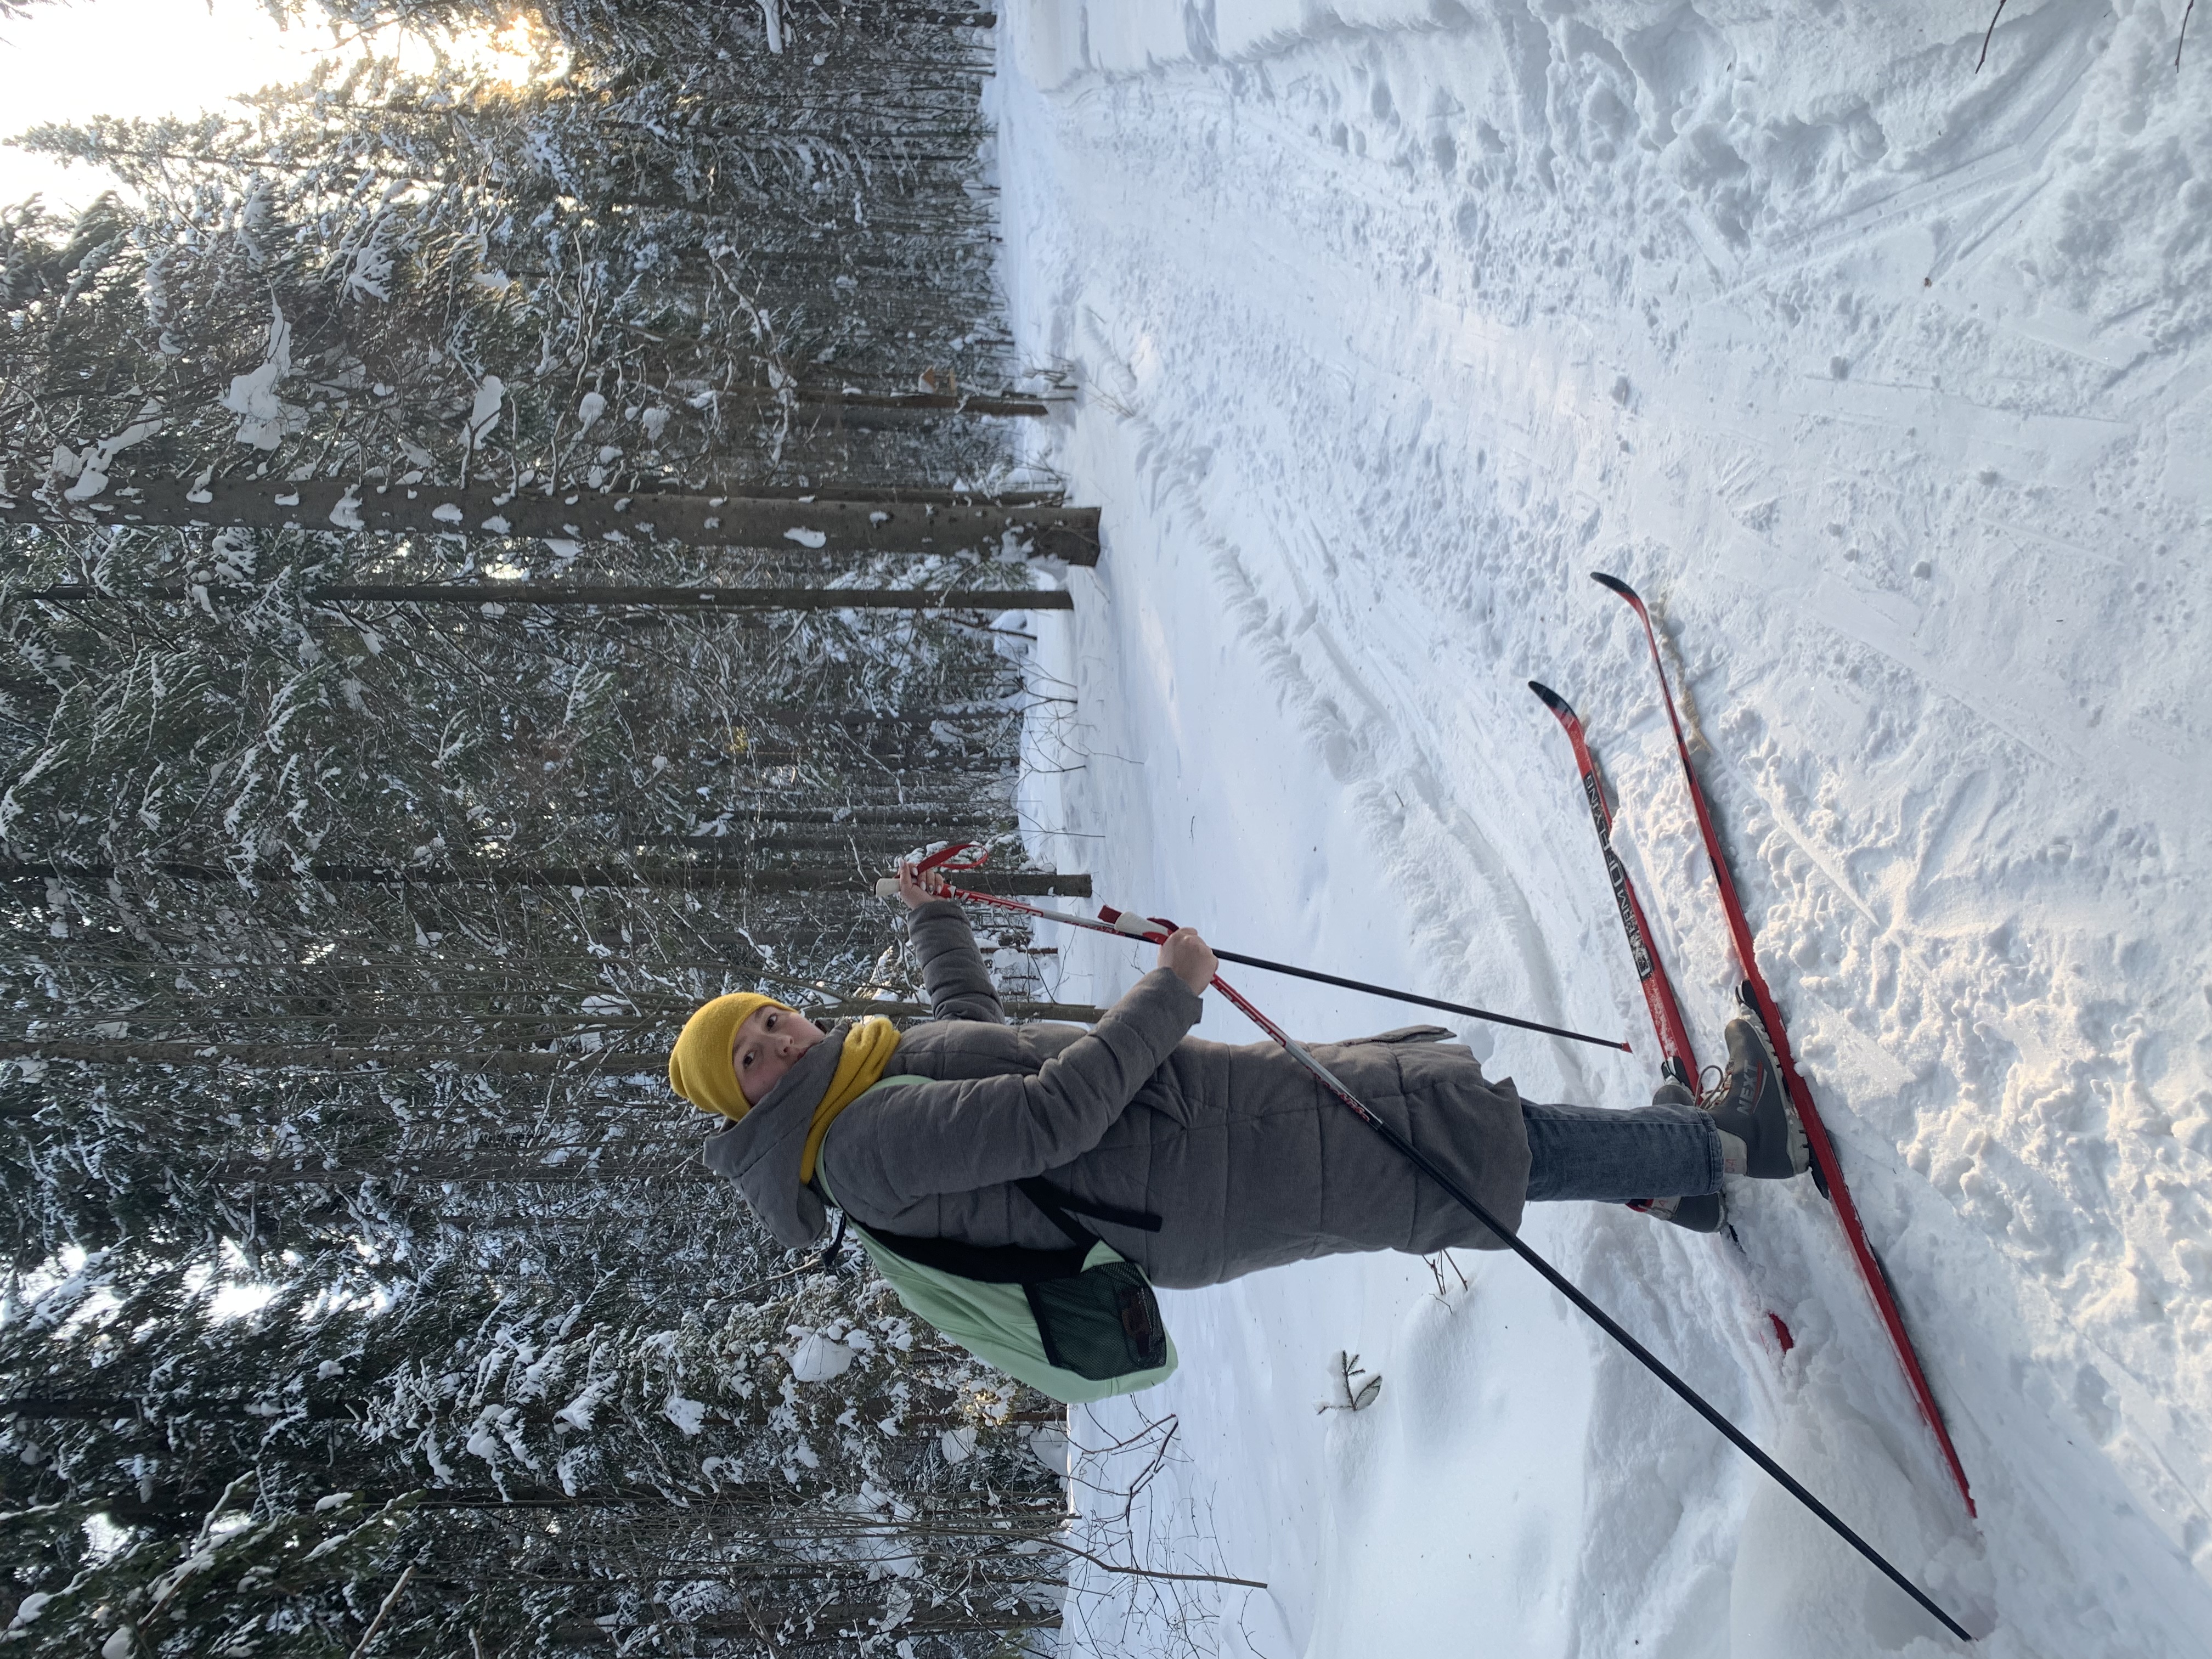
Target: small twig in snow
pixel 1436 1267
pixel 1992 29
pixel 1152 1572
pixel 1357 1396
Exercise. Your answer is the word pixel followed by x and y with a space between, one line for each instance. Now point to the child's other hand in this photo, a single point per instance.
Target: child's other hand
pixel 1189 958
pixel 917 889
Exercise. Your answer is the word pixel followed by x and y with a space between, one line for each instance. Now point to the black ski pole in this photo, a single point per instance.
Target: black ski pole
pixel 1420 1002
pixel 1119 918
pixel 1604 1320
pixel 1131 926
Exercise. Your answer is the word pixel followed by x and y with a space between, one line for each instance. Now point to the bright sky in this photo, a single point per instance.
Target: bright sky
pixel 142 58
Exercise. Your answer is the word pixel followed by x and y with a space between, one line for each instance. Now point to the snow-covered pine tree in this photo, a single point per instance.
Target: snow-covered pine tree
pixel 247 831
pixel 304 1016
pixel 608 286
pixel 784 1447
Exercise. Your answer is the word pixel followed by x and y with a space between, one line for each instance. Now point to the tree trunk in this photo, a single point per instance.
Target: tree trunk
pixel 1031 883
pixel 836 528
pixel 516 1060
pixel 946 403
pixel 659 598
pixel 861 1616
pixel 533 1063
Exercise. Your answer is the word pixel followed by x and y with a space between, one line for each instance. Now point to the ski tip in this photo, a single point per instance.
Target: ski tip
pixel 1551 700
pixel 1617 586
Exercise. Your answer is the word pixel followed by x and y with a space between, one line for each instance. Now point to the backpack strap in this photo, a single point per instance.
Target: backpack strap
pixel 1003 1264
pixel 1000 1264
pixel 993 1264
pixel 1057 1205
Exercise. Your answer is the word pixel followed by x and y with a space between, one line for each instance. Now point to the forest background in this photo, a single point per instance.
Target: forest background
pixel 490 562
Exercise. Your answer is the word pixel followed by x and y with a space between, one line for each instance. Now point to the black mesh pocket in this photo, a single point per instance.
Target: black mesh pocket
pixel 1102 1323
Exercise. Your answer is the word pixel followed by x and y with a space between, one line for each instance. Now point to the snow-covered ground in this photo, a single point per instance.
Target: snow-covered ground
pixel 1887 382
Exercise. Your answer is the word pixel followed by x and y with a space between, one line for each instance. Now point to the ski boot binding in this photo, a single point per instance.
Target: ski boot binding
pixel 1705 1213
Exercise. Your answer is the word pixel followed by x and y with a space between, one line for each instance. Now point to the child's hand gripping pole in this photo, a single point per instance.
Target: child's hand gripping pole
pixel 941 863
pixel 1182 950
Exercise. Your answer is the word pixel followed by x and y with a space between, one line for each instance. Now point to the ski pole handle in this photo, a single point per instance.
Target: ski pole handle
pixel 1137 926
pixel 946 858
pixel 887 887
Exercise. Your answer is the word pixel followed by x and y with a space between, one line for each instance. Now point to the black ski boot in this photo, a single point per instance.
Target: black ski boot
pixel 1703 1213
pixel 1752 1108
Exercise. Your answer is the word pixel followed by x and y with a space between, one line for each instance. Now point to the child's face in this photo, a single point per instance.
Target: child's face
pixel 768 1045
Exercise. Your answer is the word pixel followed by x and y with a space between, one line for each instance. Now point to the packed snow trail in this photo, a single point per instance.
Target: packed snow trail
pixel 1889 384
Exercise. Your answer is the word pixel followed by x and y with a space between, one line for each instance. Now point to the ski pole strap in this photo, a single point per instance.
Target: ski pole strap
pixel 944 857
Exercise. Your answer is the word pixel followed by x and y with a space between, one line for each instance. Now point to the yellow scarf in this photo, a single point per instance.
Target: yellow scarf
pixel 867 1050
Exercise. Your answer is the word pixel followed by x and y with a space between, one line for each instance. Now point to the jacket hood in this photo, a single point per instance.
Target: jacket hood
pixel 762 1151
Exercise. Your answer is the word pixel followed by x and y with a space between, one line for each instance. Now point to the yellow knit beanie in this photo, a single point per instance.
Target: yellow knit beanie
pixel 699 1067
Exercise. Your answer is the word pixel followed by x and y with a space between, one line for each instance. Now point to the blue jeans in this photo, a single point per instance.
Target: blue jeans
pixel 1611 1157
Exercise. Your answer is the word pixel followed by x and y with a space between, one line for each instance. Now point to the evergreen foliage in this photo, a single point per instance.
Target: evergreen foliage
pixel 355 1240
pixel 643 272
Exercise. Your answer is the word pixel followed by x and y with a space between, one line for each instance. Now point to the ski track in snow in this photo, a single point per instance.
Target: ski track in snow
pixel 1887 384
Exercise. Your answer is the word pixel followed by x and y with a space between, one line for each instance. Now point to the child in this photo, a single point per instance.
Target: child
pixel 1243 1158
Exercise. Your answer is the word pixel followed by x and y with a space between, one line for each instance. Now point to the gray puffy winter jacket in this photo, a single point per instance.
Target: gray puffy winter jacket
pixel 1246 1160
